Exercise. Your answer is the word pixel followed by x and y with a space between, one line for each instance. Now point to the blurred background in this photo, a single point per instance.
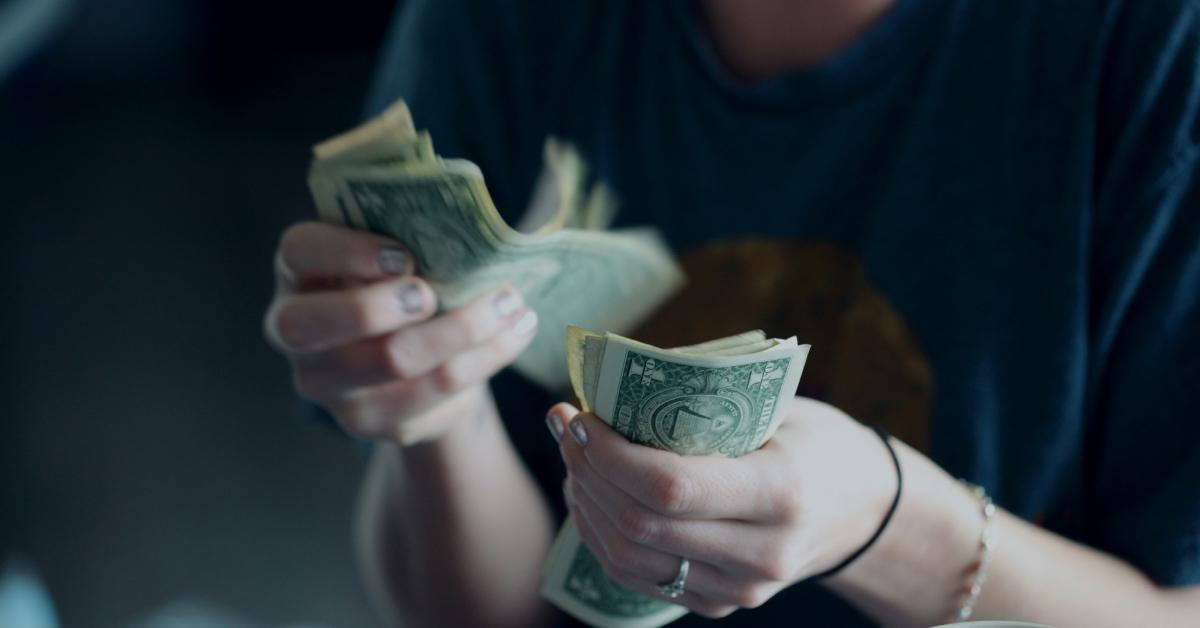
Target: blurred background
pixel 151 449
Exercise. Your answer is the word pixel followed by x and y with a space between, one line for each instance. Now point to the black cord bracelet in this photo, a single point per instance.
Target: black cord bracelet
pixel 887 441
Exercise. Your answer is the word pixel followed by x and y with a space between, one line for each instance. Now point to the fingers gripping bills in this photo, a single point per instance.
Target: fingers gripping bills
pixel 720 398
pixel 385 177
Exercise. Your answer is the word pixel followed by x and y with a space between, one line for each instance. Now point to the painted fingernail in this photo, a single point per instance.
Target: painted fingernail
pixel 411 297
pixel 579 432
pixel 393 260
pixel 505 303
pixel 527 323
pixel 555 425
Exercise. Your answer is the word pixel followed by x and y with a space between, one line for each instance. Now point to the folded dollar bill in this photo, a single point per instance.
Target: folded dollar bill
pixel 724 397
pixel 384 176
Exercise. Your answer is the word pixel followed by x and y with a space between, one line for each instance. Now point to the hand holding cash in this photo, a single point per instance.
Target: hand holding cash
pixel 500 295
pixel 385 177
pixel 721 398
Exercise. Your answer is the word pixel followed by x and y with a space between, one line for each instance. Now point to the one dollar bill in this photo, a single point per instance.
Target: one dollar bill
pixel 724 398
pixel 385 177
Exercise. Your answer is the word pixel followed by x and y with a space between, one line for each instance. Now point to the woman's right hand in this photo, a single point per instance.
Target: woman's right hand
pixel 356 325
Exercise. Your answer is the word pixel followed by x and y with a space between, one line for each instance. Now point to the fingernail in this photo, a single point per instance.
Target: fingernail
pixel 555 425
pixel 579 432
pixel 527 323
pixel 412 298
pixel 505 303
pixel 393 260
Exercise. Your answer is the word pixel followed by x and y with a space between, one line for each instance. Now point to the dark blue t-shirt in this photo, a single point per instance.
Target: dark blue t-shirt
pixel 984 216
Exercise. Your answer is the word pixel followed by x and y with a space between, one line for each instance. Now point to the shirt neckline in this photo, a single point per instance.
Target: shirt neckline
pixel 888 46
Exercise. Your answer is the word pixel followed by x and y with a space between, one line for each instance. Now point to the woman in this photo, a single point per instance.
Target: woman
pixel 984 216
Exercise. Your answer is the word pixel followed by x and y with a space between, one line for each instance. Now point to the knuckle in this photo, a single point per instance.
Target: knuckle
pixel 672 494
pixel 788 509
pixel 785 500
pixel 449 377
pixel 622 554
pixel 637 525
pixel 398 356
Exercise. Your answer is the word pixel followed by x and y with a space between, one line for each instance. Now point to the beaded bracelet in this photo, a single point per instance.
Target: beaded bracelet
pixel 977 573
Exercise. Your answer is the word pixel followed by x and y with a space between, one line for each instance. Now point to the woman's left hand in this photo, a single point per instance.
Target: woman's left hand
pixel 750 526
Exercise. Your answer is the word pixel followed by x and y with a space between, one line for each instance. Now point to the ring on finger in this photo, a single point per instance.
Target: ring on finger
pixel 675 588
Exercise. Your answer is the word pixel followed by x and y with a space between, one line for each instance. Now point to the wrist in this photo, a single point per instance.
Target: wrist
pixel 913 574
pixel 852 507
pixel 877 509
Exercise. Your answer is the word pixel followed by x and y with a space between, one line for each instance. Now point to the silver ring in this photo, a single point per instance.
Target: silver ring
pixel 674 588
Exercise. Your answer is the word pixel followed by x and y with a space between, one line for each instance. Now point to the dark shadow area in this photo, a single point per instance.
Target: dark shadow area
pixel 152 448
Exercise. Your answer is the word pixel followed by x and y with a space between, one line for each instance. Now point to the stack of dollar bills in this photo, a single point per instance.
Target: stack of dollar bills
pixel 384 176
pixel 725 397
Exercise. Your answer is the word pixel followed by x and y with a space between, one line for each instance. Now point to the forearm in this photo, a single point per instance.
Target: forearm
pixel 914 573
pixel 1043 577
pixel 454 532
